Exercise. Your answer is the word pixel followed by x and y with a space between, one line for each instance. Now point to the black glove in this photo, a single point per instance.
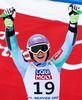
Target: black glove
pixel 10 14
pixel 74 16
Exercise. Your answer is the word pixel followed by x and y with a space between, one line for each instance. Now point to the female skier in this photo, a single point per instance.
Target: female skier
pixel 41 77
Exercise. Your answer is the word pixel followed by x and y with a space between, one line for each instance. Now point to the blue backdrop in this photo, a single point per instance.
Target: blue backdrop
pixel 70 1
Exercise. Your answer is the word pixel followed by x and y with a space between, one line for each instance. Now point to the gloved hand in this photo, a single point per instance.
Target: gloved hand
pixel 10 14
pixel 74 16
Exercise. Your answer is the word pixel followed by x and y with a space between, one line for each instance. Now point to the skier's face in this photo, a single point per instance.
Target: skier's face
pixel 40 57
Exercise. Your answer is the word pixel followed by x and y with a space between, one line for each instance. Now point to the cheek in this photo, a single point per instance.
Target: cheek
pixel 45 55
pixel 35 56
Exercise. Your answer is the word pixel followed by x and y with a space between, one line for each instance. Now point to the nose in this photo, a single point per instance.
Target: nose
pixel 40 52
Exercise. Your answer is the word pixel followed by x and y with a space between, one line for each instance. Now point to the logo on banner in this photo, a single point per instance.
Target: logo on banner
pixel 5 51
pixel 43 74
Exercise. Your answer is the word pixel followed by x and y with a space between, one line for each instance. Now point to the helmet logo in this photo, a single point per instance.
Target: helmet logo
pixel 36 38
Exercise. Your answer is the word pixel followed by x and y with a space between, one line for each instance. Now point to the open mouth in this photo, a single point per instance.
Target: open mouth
pixel 40 57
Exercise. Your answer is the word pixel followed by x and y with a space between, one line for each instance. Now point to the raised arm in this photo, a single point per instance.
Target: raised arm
pixel 11 40
pixel 63 53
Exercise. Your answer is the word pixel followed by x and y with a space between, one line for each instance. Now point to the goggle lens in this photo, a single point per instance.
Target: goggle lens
pixel 43 47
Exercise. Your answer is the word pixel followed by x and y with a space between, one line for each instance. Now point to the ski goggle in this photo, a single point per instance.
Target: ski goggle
pixel 35 49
